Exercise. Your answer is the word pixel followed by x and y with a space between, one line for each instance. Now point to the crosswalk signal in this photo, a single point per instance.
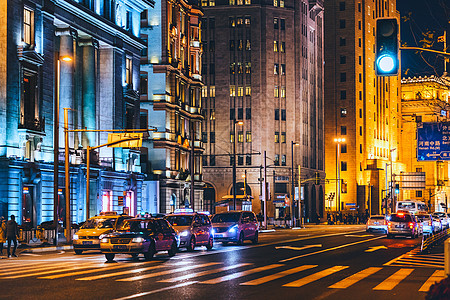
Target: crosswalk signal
pixel 386 57
pixel 316 178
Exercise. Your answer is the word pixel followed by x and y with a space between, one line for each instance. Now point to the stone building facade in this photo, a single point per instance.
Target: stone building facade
pixel 263 67
pixel 171 82
pixel 360 107
pixel 88 52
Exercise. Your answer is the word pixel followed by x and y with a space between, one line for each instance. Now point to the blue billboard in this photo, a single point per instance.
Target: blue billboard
pixel 433 141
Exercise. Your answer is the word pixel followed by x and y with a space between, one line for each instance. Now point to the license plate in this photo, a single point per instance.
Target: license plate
pixel 120 247
pixel 376 223
pixel 87 242
pixel 218 235
pixel 399 226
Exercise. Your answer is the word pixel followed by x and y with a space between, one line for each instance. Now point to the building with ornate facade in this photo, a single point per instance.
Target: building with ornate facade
pixel 86 55
pixel 360 107
pixel 263 68
pixel 425 99
pixel 171 82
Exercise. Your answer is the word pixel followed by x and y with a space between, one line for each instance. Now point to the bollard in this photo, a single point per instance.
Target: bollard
pixel 447 256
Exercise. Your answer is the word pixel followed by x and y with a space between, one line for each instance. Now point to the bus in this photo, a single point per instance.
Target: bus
pixel 412 206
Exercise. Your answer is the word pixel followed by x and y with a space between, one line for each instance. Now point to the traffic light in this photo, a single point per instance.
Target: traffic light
pixel 316 178
pixel 397 188
pixel 386 56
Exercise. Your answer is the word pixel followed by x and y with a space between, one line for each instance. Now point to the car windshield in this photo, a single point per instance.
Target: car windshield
pixel 226 218
pixel 423 218
pixel 135 225
pixel 377 218
pixel 180 220
pixel 99 223
pixel 401 218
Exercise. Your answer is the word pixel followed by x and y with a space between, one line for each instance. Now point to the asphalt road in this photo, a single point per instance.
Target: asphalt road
pixel 318 262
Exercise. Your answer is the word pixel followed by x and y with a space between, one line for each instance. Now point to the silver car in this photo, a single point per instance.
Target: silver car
pixel 235 226
pixel 194 229
pixel 443 217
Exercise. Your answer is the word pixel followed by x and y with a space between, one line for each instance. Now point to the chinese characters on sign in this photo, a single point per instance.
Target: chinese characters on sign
pixel 433 141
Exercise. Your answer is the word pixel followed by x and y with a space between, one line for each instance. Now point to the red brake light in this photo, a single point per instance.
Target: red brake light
pixel 411 225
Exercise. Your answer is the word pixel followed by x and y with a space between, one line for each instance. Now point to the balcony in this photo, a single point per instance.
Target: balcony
pixel 36 124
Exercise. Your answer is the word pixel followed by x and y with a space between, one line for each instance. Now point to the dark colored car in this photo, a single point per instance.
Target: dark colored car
pixel 147 236
pixel 402 223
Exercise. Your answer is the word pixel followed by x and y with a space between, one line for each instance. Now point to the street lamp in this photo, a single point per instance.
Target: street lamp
pixel 234 161
pixel 338 142
pixel 293 183
pixel 56 148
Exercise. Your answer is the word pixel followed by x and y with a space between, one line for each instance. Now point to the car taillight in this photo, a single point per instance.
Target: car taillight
pixel 429 223
pixel 411 225
pixel 389 224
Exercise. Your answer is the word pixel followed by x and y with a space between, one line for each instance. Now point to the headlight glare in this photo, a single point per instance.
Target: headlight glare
pixel 75 237
pixel 184 233
pixel 137 240
pixel 233 229
pixel 104 240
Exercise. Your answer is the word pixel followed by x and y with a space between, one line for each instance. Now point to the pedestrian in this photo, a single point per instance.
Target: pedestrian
pixel 12 233
pixel 2 233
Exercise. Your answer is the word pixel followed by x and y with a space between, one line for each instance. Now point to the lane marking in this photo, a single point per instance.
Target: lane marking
pixel 169 271
pixel 157 291
pixel 392 281
pixel 241 274
pixel 331 249
pixel 299 248
pixel 51 271
pixel 278 275
pixel 345 283
pixel 436 276
pixel 213 271
pixel 316 276
pixel 372 249
pixel 358 235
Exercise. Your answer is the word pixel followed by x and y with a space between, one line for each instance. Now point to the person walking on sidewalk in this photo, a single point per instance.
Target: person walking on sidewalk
pixel 2 233
pixel 12 233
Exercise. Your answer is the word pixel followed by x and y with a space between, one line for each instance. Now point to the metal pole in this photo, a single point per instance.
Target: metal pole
pixel 292 186
pixel 265 191
pixel 88 162
pixel 56 151
pixel 339 177
pixel 234 165
pixel 67 174
pixel 300 196
pixel 245 185
pixel 191 163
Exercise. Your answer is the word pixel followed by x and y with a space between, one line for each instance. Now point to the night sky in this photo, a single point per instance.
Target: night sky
pixel 423 16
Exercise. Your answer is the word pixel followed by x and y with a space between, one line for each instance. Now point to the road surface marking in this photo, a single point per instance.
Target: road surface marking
pixel 30 254
pixel 241 274
pixel 356 235
pixel 330 249
pixel 299 248
pixel 316 276
pixel 372 249
pixel 157 291
pixel 436 276
pixel 187 268
pixel 214 271
pixel 101 268
pixel 79 267
pixel 391 282
pixel 345 283
pixel 278 275
pixel 22 268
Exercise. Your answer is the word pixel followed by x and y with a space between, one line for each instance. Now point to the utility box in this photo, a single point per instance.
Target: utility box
pixel 447 256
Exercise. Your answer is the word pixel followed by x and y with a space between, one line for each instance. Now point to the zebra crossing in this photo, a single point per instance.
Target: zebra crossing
pixel 415 259
pixel 211 273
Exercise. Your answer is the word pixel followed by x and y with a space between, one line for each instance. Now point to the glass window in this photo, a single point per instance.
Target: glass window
pixel 343 59
pixel 343 112
pixel 282 24
pixel 232 2
pixel 231 45
pixel 232 68
pixel 248 91
pixel 277 114
pixel 283 115
pixel 275 2
pixel 343 77
pixel 275 23
pixel 232 91
pixel 248 68
pixel 283 92
pixel 283 69
pixel 283 160
pixel 232 114
pixel 240 136
pixel 343 166
pixel 343 95
pixel 275 46
pixel 212 91
pixel 341 6
pixel 28 26
pixel 240 91
pixel 143 85
pixel 240 113
pixel 283 137
pixel 281 3
pixel 282 47
pixel 248 136
pixel 247 19
pixel 343 130
pixel 276 161
pixel 212 137
pixel 248 113
pixel 248 160
pixel 276 92
pixel 276 69
pixel 341 24
pixel 129 71
pixel 248 45
pixel 232 22
pixel 277 137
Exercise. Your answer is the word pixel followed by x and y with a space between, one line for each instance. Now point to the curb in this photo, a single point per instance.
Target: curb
pixel 47 249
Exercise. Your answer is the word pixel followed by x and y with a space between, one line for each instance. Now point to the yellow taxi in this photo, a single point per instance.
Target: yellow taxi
pixel 93 230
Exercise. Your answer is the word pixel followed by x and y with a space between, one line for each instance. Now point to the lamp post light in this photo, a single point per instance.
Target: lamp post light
pixel 293 184
pixel 234 161
pixel 338 142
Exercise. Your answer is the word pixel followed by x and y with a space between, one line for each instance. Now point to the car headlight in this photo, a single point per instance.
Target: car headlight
pixel 137 240
pixel 184 233
pixel 101 236
pixel 104 240
pixel 75 237
pixel 233 229
pixel 213 231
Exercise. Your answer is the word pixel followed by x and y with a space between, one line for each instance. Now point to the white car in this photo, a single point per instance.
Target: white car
pixel 437 224
pixel 377 223
pixel 443 217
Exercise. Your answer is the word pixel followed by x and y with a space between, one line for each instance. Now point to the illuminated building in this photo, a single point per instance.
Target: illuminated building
pixel 359 106
pixel 94 46
pixel 263 65
pixel 425 99
pixel 171 82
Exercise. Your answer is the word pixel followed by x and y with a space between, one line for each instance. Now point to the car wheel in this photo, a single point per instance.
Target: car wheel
pixel 191 245
pixel 255 239
pixel 78 252
pixel 173 249
pixel 150 252
pixel 210 244
pixel 110 256
pixel 241 239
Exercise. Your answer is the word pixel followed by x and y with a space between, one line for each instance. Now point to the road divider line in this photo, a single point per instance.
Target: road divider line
pixel 331 249
pixel 313 277
pixel 345 283
pixel 241 274
pixel 436 276
pixel 392 281
pixel 187 268
pixel 157 291
pixel 199 274
pixel 278 275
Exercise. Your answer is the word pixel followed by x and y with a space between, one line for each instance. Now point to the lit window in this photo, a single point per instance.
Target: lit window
pixel 212 3
pixel 283 160
pixel 232 2
pixel 248 91
pixel 129 71
pixel 283 92
pixel 204 91
pixel 232 91
pixel 240 21
pixel 248 2
pixel 248 136
pixel 240 2
pixel 277 160
pixel 282 47
pixel 283 137
pixel 232 68
pixel 275 46
pixel 247 19
pixel 281 3
pixel 343 112
pixel 275 69
pixel 240 44
pixel 240 68
pixel 248 45
pixel 248 67
pixel 277 137
pixel 204 2
pixel 240 91
pixel 212 91
pixel 28 26
pixel 275 2
pixel 283 69
pixel 240 136
pixel 276 92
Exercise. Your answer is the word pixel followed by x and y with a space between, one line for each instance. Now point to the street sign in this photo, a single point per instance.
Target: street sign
pixel 116 137
pixel 411 180
pixel 433 141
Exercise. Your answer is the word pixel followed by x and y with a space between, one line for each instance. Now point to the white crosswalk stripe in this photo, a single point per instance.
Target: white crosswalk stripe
pixel 392 281
pixel 415 259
